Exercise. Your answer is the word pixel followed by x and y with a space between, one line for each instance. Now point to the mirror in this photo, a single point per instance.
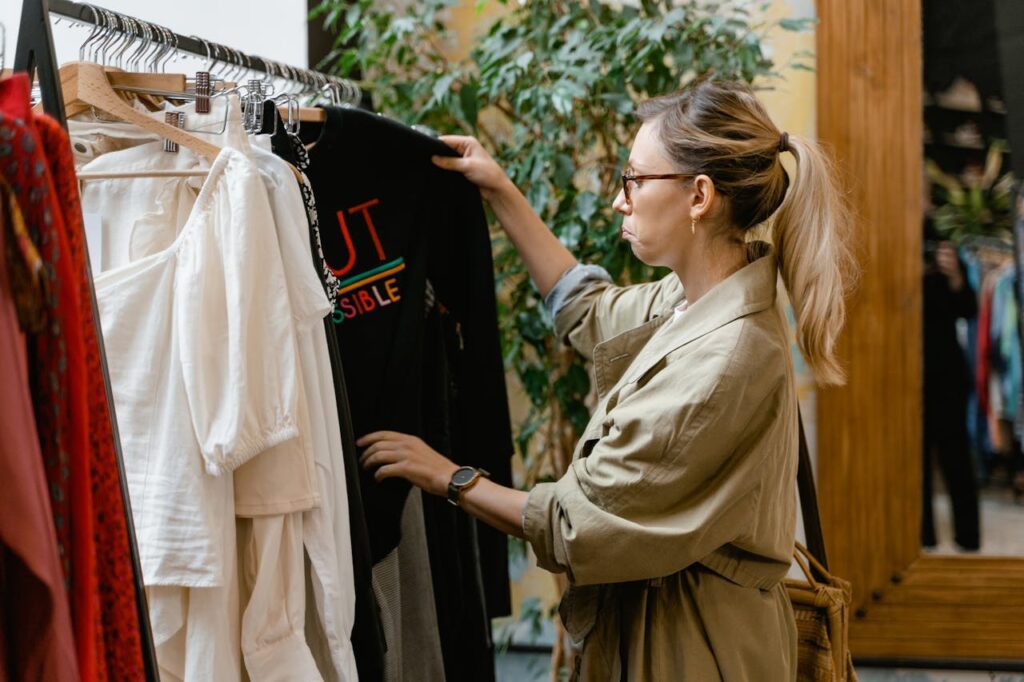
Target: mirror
pixel 972 428
pixel 911 607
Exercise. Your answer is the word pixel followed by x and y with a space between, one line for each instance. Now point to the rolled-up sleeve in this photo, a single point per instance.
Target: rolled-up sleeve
pixel 668 482
pixel 588 308
pixel 573 281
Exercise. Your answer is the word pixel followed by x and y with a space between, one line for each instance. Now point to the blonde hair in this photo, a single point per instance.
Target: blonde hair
pixel 720 129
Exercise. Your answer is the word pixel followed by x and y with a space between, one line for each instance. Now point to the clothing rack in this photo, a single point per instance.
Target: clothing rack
pixel 35 54
pixel 127 25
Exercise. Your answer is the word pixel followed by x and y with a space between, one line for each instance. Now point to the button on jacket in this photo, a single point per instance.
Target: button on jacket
pixel 675 521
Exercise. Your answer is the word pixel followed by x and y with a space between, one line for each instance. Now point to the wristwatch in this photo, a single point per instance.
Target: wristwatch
pixel 464 478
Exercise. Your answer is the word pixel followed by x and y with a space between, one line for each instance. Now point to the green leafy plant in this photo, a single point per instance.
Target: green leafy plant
pixel 550 89
pixel 977 203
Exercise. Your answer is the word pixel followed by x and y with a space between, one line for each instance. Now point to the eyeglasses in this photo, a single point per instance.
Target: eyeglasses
pixel 629 178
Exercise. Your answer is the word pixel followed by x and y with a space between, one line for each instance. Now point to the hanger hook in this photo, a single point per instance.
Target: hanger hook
pixel 237 74
pixel 110 46
pixel 158 48
pixel 172 53
pixel 144 42
pixel 108 31
pixel 123 41
pixel 151 49
pixel 213 67
pixel 206 45
pixel 227 63
pixel 101 39
pixel 92 33
pixel 245 62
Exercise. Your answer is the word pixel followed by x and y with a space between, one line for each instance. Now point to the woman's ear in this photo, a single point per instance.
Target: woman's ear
pixel 703 196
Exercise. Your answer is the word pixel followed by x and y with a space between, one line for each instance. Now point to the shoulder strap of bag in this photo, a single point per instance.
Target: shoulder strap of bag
pixel 809 499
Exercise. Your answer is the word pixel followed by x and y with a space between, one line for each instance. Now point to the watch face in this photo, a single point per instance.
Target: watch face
pixel 463 476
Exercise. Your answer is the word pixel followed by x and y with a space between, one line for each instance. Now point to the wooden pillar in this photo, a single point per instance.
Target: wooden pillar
pixel 869 112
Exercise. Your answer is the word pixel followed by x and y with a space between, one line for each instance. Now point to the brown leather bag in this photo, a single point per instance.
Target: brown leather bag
pixel 821 602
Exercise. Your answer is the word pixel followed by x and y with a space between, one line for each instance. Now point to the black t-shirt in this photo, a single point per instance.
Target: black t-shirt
pixel 390 221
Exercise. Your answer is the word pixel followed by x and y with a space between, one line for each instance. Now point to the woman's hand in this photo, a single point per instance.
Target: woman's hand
pixel 402 456
pixel 475 163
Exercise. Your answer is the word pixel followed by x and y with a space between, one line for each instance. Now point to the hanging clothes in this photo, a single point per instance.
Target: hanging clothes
pixel 277 518
pixel 36 641
pixel 203 366
pixel 368 641
pixel 396 221
pixel 59 384
pixel 1005 344
pixel 119 616
pixel 984 344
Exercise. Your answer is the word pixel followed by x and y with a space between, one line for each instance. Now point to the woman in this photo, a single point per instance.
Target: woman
pixel 676 520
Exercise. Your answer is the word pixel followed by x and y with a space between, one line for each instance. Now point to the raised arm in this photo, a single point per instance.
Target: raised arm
pixel 545 257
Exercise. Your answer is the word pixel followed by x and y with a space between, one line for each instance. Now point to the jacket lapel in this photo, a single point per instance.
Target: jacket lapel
pixel 636 351
pixel 743 293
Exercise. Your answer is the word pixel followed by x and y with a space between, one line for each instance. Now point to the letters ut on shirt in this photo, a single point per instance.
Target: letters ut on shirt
pixel 376 284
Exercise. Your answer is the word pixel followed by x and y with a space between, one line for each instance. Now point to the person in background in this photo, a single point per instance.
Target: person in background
pixel 675 521
pixel 947 384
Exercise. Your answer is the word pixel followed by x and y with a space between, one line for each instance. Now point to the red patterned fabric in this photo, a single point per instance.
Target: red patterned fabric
pixel 57 358
pixel 121 640
pixel 36 641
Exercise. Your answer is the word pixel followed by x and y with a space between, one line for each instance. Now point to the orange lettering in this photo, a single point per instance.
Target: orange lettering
pixel 392 288
pixel 365 208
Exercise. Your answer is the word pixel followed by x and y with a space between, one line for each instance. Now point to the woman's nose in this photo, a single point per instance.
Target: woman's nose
pixel 621 205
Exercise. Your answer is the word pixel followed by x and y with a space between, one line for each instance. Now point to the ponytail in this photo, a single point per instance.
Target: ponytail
pixel 721 129
pixel 811 231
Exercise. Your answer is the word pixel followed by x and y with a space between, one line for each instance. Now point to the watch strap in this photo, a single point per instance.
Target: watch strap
pixel 455 490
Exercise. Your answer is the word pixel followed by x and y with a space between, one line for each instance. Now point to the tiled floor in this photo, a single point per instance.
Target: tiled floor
pixel 1002 524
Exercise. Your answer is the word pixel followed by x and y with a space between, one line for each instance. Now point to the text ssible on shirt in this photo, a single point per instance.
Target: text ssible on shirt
pixel 370 289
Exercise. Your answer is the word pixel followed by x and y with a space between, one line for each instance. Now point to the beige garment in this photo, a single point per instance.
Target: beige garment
pixel 676 520
pixel 273 595
pixel 404 586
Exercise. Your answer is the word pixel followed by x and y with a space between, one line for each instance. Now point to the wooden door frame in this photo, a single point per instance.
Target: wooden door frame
pixel 908 605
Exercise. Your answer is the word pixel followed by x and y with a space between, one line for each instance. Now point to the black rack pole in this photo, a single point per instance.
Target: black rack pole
pixel 35 53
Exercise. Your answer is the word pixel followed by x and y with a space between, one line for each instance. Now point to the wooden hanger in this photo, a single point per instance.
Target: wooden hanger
pixel 88 84
pixel 121 79
pixel 306 114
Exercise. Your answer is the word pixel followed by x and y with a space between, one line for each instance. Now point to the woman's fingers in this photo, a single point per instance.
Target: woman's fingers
pixel 387 471
pixel 378 436
pixel 452 163
pixel 460 143
pixel 370 460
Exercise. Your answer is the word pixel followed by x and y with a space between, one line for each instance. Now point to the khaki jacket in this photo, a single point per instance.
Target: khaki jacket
pixel 675 522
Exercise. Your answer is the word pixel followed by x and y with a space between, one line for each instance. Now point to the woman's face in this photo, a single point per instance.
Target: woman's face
pixel 656 219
